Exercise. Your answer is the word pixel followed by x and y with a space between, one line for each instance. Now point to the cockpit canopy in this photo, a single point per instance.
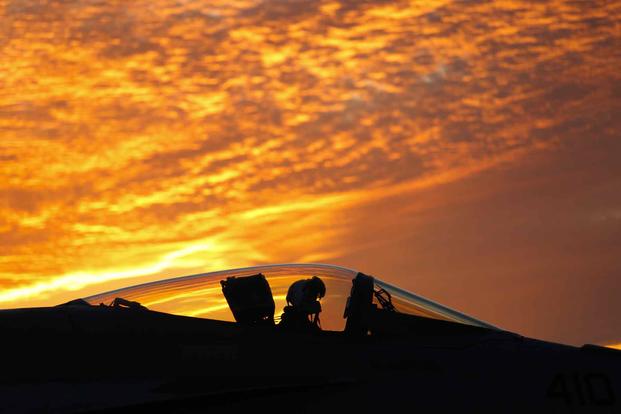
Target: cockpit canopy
pixel 201 295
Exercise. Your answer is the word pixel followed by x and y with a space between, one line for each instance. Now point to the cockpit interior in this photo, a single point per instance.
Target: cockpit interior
pixel 257 295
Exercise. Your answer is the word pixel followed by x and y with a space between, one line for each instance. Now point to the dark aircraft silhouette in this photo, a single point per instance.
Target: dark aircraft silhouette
pixel 212 343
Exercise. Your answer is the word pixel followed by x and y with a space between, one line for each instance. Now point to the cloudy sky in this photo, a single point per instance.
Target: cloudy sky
pixel 468 151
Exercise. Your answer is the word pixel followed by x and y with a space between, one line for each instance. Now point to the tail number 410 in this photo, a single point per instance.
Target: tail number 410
pixel 582 389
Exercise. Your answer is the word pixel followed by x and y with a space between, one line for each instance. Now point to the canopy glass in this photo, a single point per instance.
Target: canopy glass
pixel 201 295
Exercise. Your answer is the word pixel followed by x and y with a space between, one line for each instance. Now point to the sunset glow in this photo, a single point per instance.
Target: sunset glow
pixel 148 139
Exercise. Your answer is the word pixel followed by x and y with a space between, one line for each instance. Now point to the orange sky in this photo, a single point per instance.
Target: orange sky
pixel 466 151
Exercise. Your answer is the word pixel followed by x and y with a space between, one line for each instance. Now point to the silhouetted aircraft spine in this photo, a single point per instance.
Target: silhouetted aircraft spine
pixel 396 351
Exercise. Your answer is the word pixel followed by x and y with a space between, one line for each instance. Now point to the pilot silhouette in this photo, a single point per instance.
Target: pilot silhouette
pixel 303 307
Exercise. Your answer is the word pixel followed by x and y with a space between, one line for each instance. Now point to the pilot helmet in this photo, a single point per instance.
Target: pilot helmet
pixel 318 286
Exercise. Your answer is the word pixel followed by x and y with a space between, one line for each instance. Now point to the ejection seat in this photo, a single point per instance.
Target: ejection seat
pixel 250 299
pixel 362 314
pixel 359 307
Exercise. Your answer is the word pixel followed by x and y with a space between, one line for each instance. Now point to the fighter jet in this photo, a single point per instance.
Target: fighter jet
pixel 217 342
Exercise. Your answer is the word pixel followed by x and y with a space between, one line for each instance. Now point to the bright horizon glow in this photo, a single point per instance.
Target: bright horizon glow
pixel 177 259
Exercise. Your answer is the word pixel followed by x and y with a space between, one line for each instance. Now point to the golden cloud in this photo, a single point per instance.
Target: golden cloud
pixel 139 138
